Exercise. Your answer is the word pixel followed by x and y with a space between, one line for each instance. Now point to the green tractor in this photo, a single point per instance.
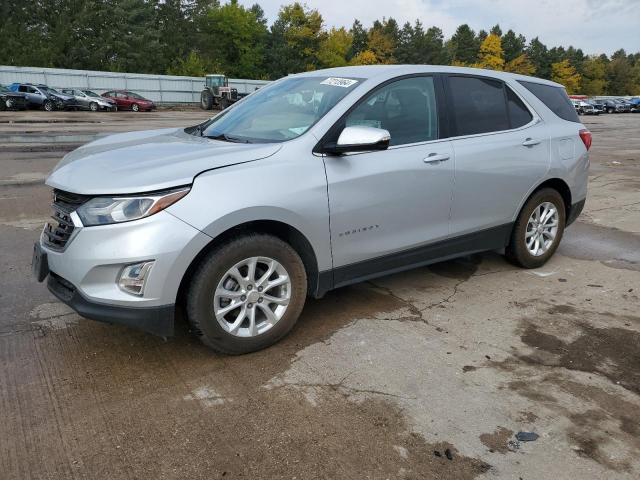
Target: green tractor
pixel 217 92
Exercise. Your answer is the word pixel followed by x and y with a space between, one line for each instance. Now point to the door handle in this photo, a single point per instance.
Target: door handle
pixel 434 158
pixel 530 142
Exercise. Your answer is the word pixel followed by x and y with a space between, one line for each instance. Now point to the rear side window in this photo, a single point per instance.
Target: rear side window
pixel 519 114
pixel 478 105
pixel 555 98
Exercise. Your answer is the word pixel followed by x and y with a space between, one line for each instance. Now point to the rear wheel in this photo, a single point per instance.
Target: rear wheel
pixel 135 107
pixel 538 229
pixel 247 294
pixel 4 104
pixel 206 100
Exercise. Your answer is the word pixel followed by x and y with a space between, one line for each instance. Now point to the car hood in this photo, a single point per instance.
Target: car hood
pixel 149 160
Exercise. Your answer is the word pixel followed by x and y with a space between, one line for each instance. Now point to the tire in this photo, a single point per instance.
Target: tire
pixel 517 252
pixel 206 100
pixel 213 274
pixel 93 106
pixel 4 105
pixel 48 106
pixel 135 107
pixel 224 103
pixel 609 110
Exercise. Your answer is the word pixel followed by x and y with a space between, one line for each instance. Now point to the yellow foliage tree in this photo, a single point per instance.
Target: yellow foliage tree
pixel 491 53
pixel 521 64
pixel 381 45
pixel 365 58
pixel 564 73
pixel 334 46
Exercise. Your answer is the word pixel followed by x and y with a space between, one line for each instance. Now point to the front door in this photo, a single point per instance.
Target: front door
pixel 385 206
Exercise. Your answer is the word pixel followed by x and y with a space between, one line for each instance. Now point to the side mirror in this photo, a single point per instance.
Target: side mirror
pixel 360 139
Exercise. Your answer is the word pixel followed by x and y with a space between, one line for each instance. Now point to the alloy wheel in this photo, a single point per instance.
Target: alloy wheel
pixel 252 296
pixel 542 229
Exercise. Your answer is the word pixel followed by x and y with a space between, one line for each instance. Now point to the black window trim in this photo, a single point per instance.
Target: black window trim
pixel 443 131
pixel 449 103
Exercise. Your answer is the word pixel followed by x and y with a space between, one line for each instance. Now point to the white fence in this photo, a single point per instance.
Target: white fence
pixel 159 88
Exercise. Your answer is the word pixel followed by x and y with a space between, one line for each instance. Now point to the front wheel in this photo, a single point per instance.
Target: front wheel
pixel 538 229
pixel 48 106
pixel 246 294
pixel 93 106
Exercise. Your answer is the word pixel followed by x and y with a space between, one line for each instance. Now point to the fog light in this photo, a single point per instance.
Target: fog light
pixel 133 277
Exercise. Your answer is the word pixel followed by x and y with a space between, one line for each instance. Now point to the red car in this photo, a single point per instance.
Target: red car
pixel 127 100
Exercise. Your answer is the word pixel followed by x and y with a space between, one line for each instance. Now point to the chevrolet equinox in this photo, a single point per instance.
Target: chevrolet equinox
pixel 316 181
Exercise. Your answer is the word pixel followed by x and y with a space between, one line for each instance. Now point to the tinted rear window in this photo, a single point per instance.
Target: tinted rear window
pixel 479 105
pixel 518 112
pixel 555 98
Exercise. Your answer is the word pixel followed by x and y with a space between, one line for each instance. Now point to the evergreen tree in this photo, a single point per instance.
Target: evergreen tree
pixel 513 45
pixel 463 46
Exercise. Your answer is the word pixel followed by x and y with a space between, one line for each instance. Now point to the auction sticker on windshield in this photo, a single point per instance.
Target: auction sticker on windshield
pixel 339 82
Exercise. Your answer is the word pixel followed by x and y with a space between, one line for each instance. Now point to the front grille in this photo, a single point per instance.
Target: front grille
pixel 58 232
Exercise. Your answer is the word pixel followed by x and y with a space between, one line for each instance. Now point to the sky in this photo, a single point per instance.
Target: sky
pixel 596 26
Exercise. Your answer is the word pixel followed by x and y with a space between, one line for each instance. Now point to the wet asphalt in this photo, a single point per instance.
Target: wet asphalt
pixel 425 374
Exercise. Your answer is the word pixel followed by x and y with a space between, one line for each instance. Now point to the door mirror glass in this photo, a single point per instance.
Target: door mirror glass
pixel 361 139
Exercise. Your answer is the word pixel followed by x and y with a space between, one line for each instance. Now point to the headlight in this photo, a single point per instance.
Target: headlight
pixel 106 210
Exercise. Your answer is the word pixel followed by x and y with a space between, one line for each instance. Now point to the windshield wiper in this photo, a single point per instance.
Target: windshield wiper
pixel 227 138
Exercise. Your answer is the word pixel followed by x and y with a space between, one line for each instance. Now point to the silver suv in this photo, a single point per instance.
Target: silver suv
pixel 316 181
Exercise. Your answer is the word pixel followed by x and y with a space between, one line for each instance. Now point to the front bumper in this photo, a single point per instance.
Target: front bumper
pixel 85 274
pixel 156 320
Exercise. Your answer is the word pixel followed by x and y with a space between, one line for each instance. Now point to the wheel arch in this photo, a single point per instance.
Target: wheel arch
pixel 557 184
pixel 281 230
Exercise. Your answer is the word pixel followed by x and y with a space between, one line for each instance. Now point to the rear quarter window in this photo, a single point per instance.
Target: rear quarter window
pixel 555 98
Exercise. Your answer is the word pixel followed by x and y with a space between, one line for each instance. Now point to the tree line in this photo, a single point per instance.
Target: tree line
pixel 195 37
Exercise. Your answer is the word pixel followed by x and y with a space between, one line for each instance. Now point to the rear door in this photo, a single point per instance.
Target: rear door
pixel 501 151
pixel 386 205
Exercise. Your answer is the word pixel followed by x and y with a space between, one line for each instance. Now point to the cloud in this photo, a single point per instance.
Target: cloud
pixel 596 26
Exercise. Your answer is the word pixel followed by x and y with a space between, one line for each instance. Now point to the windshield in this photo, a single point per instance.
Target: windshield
pixel 49 89
pixel 4 89
pixel 281 111
pixel 215 81
pixel 90 93
pixel 135 95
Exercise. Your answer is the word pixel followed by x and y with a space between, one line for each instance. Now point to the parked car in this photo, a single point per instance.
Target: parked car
pixel 42 96
pixel 88 100
pixel 598 105
pixel 625 107
pixel 11 100
pixel 127 100
pixel 612 106
pixel 584 108
pixel 316 181
pixel 635 104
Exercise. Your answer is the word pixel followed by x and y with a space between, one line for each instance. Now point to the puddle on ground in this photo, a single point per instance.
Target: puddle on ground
pixel 610 246
pixel 603 418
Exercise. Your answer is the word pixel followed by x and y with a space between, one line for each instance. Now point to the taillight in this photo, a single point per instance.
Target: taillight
pixel 585 136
